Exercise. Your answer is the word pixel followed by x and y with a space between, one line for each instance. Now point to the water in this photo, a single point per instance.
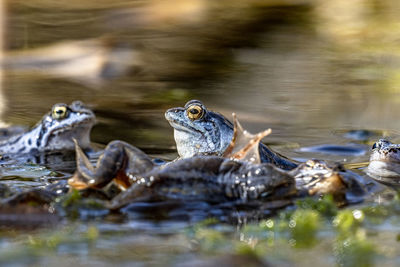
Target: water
pixel 314 72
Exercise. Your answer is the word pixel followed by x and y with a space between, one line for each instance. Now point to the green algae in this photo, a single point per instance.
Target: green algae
pixel 43 242
pixel 304 226
pixel 352 246
pixel 354 250
pixel 348 221
pixel 347 238
pixel 74 206
pixel 347 234
pixel 326 206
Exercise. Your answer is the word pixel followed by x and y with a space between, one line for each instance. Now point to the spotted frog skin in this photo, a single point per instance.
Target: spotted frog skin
pixel 209 178
pixel 198 131
pixel 55 132
pixel 385 161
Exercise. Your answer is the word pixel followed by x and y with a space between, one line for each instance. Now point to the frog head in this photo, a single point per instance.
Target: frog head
pixel 199 131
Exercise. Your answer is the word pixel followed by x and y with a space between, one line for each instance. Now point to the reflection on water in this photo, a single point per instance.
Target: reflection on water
pixel 2 34
pixel 293 70
pixel 90 62
pixel 313 71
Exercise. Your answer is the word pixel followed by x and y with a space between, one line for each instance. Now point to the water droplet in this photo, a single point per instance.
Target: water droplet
pixel 269 223
pixel 358 214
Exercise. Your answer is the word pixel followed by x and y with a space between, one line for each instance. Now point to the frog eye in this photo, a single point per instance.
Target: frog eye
pixel 310 163
pixel 381 143
pixel 59 112
pixel 195 112
pixel 374 145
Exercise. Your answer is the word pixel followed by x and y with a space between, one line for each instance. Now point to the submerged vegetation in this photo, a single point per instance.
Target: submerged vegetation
pixel 349 236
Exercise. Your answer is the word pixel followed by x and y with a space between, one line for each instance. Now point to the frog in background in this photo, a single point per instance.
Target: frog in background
pixel 54 132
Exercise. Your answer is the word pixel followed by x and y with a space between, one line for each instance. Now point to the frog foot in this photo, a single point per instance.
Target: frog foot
pixel 120 162
pixel 244 145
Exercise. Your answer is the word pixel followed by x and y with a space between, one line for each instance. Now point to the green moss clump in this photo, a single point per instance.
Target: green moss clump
pixel 248 249
pixel 354 250
pixel 74 205
pixel 348 221
pixel 304 226
pixel 70 199
pixel 92 233
pixel 325 206
pixel 209 240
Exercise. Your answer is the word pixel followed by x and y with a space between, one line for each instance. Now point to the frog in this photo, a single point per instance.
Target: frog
pixel 240 177
pixel 317 177
pixel 199 131
pixel 384 162
pixel 54 132
pixel 204 177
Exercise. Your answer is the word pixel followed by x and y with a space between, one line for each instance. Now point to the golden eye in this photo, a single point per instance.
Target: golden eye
pixel 195 112
pixel 310 163
pixel 59 112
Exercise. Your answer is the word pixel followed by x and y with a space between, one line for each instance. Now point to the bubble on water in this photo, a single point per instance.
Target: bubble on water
pixel 358 214
pixel 269 223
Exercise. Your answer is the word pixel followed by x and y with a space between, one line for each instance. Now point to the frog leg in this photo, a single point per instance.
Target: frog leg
pixel 120 161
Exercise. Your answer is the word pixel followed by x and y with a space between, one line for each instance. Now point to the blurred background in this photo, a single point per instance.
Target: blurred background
pixel 309 69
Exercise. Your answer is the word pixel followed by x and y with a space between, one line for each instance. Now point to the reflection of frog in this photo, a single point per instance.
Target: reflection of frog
pixel 198 131
pixel 385 161
pixel 54 132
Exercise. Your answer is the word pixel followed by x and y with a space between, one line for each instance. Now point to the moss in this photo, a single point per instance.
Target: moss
pixel 376 214
pixel 209 239
pixel 347 221
pixel 48 241
pixel 74 205
pixel 325 206
pixel 92 233
pixel 70 199
pixel 247 249
pixel 304 226
pixel 354 250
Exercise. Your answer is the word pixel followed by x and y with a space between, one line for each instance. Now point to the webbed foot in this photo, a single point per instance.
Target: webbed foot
pixel 244 145
pixel 119 162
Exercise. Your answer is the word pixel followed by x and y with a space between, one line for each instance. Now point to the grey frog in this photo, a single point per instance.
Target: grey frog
pixel 385 161
pixel 198 131
pixel 55 132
